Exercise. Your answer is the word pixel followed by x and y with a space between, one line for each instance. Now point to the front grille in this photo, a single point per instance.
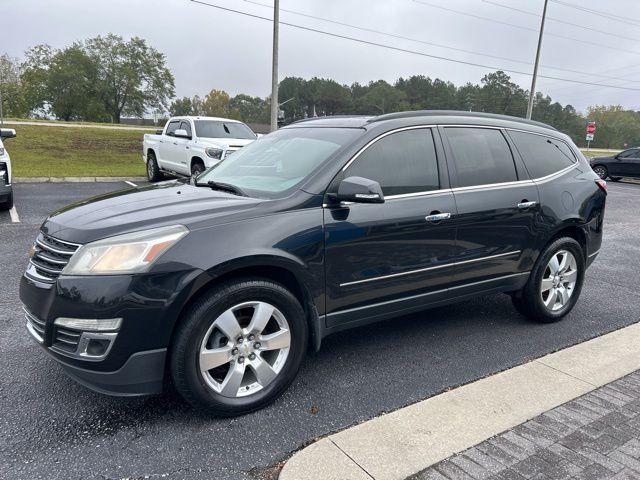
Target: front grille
pixel 66 339
pixel 50 257
pixel 35 325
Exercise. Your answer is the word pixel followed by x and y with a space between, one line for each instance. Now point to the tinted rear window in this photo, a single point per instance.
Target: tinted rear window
pixel 481 155
pixel 542 155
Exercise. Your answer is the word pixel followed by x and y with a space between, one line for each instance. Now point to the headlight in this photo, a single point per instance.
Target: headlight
pixel 214 152
pixel 128 253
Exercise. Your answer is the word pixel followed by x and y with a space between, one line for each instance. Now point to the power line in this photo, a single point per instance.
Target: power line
pixel 599 13
pixel 438 45
pixel 404 50
pixel 557 20
pixel 488 19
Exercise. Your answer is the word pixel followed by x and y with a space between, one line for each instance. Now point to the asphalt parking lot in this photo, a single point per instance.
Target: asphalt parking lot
pixel 52 428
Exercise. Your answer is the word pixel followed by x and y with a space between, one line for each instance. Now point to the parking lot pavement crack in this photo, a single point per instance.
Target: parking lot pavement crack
pixel 352 459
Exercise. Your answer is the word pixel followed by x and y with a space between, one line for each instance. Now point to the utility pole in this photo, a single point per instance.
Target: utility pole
pixel 532 93
pixel 274 66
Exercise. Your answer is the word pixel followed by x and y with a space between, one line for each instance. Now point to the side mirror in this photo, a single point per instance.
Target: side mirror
pixel 7 133
pixel 359 190
pixel 181 133
pixel 159 131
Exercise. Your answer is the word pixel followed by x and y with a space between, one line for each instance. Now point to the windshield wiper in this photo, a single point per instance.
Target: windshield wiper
pixel 226 187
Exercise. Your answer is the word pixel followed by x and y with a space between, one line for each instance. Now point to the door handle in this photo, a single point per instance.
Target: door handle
pixel 175 143
pixel 524 205
pixel 437 217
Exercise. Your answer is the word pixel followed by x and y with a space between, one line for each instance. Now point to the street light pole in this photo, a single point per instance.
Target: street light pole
pixel 274 66
pixel 532 93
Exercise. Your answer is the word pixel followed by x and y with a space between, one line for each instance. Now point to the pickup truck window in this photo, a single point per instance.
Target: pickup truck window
pixel 217 129
pixel 275 164
pixel 172 127
pixel 186 126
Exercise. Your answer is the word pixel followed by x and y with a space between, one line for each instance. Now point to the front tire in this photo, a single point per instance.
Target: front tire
pixel 153 171
pixel 239 346
pixel 555 282
pixel 615 179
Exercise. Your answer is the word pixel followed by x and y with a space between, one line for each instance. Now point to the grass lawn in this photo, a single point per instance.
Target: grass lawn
pixel 68 152
pixel 594 152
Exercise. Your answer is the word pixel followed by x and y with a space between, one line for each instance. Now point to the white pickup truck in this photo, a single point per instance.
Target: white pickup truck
pixel 189 145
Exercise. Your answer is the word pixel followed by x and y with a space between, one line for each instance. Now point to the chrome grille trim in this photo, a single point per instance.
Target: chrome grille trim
pixel 35 326
pixel 50 257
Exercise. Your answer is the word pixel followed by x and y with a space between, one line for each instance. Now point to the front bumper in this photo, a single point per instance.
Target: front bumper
pixel 134 362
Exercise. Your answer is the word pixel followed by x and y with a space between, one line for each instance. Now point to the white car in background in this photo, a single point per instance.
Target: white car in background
pixel 189 145
pixel 6 191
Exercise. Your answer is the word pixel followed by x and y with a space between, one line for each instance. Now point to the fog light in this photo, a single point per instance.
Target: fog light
pixel 90 324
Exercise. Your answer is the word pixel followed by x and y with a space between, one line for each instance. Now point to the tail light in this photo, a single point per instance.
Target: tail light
pixel 602 184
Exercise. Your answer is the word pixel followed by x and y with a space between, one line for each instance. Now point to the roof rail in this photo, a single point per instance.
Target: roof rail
pixel 309 119
pixel 457 113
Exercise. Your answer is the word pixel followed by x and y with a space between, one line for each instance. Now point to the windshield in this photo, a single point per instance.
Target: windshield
pixel 279 161
pixel 218 129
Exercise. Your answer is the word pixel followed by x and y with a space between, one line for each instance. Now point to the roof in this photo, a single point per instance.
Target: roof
pixel 198 117
pixel 434 116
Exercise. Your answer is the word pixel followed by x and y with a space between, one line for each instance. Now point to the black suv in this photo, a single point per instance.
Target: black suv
pixel 222 282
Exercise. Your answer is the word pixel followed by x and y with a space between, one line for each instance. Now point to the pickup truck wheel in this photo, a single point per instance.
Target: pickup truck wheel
pixel 153 171
pixel 197 168
pixel 554 284
pixel 239 346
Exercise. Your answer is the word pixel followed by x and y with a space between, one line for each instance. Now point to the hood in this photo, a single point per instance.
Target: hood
pixel 166 203
pixel 225 142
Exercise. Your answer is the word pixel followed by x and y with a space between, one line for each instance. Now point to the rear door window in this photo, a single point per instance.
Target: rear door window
pixel 481 156
pixel 402 162
pixel 542 155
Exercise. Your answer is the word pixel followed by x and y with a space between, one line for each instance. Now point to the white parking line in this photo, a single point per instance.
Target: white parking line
pixel 130 183
pixel 14 215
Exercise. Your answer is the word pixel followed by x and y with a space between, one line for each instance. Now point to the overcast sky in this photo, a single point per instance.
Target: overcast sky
pixel 208 48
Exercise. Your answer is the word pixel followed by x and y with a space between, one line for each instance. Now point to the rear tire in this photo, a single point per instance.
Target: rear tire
pixel 252 360
pixel 615 179
pixel 551 293
pixel 8 203
pixel 153 171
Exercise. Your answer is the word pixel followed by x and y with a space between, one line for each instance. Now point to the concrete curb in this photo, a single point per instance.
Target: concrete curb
pixel 76 179
pixel 402 443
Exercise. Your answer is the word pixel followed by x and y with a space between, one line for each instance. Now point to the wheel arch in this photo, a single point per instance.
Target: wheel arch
pixel 152 151
pixel 196 159
pixel 573 229
pixel 281 270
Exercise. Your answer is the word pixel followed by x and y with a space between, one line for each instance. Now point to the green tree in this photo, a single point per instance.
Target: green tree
pixel 380 98
pixel 12 92
pixel 181 106
pixel 248 109
pixel 216 104
pixel 133 77
pixel 72 86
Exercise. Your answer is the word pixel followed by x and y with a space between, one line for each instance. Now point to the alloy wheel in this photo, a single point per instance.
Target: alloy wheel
pixel 559 280
pixel 244 349
pixel 601 172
